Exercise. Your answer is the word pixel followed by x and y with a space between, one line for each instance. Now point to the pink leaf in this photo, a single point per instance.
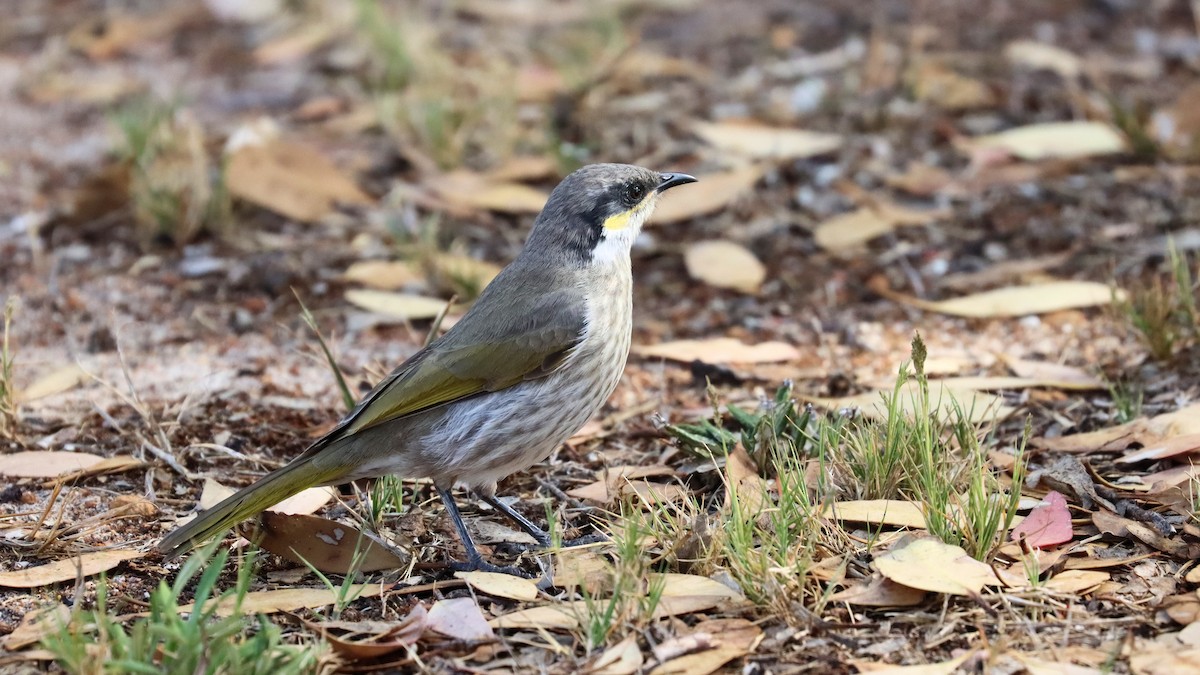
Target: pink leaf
pixel 1047 525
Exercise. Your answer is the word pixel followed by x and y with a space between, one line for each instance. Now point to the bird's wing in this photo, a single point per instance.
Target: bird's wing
pixel 486 351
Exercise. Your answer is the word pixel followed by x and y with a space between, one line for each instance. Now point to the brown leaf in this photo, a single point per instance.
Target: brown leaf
pixel 879 591
pixel 35 625
pixel 623 658
pixel 744 482
pixel 1061 140
pixel 724 264
pixel 371 640
pixel 45 463
pixel 399 305
pixel 1172 447
pixel 56 382
pixel 288 177
pixel 85 565
pixel 894 512
pixel 613 479
pixel 287 599
pixel 720 190
pixel 384 275
pixel 466 189
pixel 325 544
pixel 1120 527
pixel 939 85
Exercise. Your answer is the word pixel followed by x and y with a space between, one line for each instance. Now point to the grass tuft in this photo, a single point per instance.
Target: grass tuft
pixel 213 637
pixel 8 390
pixel 1163 310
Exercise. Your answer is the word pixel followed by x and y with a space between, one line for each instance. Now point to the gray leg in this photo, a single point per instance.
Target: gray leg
pixel 474 561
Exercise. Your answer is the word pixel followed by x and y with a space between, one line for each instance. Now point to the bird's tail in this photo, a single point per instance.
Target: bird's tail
pixel 271 489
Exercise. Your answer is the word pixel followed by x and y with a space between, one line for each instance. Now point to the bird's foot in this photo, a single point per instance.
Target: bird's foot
pixel 478 564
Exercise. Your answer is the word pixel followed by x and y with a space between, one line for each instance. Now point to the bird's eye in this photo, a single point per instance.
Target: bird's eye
pixel 632 196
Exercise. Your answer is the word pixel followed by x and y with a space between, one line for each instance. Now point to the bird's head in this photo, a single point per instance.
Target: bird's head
pixel 595 213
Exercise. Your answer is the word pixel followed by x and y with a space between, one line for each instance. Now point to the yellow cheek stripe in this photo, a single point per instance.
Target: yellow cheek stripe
pixel 620 221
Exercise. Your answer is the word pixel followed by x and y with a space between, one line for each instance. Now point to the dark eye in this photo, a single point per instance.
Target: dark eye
pixel 633 193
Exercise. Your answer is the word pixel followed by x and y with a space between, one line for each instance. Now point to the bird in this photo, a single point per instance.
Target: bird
pixel 537 354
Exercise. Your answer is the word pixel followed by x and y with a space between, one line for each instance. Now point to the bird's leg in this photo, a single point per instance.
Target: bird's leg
pixel 474 560
pixel 542 536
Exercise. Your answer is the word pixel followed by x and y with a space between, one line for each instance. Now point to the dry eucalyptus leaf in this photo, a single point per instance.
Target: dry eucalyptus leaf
pixel 500 585
pixel 1054 140
pixel 977 406
pixel 724 264
pixel 933 565
pixel 879 591
pixel 372 639
pixel 852 230
pixel 1075 581
pixel 86 565
pixel 384 275
pixel 761 142
pixel 459 618
pixel 1015 301
pixel 700 662
pixel 56 382
pixel 290 178
pixel 45 463
pixel 1041 56
pixel 623 658
pixel 213 493
pixel 400 305
pixel 939 85
pixel 36 625
pixel 894 512
pixel 719 350
pixel 325 544
pixel 1053 374
pixel 558 616
pixel 288 599
pixel 305 502
pixel 473 191
pixel 719 190
pixel 940 668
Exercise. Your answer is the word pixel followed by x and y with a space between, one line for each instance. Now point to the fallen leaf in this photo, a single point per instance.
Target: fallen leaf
pixel 1053 140
pixel 1123 528
pixel 85 565
pixel 500 585
pixel 613 479
pixel 1075 581
pixel 720 190
pixel 560 616
pixel 850 231
pixel 761 142
pixel 108 465
pixel 1041 56
pixel 36 625
pixel 474 191
pixel 400 305
pixel 325 544
pixel 56 382
pixel 743 481
pixel 45 463
pixel 879 591
pixel 384 275
pixel 719 350
pixel 305 502
pixel 1172 447
pixel 459 618
pixel 892 512
pixel 583 568
pixel 288 177
pixel 932 565
pixel 940 85
pixel 976 406
pixel 1047 525
pixel 1014 301
pixel 724 264
pixel 362 641
pixel 1177 127
pixel 287 599
pixel 525 168
pixel 456 271
pixel 623 658
pixel 1053 374
pixel 941 668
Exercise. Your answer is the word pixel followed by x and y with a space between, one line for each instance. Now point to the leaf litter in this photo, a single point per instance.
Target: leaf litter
pixel 784 140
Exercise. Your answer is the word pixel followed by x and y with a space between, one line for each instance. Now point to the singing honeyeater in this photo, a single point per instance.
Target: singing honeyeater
pixel 537 355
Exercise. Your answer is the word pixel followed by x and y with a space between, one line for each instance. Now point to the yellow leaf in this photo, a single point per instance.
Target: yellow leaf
pixel 763 142
pixel 384 275
pixel 500 585
pixel 719 350
pixel 879 512
pixel 724 264
pixel 932 565
pixel 852 230
pixel 56 382
pixel 1015 301
pixel 1054 140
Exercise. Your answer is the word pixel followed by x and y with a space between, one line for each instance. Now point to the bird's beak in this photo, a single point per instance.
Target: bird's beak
pixel 670 180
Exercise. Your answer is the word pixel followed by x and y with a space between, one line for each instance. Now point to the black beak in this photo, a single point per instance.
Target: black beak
pixel 670 180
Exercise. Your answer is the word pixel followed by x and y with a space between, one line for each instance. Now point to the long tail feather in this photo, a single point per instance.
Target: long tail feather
pixel 271 489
